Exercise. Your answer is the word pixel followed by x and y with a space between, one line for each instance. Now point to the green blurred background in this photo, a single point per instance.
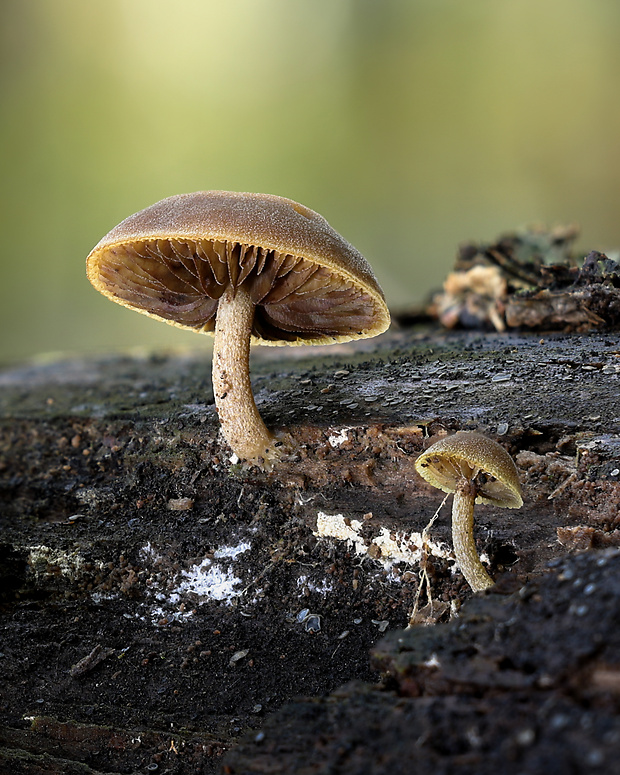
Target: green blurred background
pixel 410 125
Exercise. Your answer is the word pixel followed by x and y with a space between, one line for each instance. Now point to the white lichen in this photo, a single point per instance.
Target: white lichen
pixel 322 589
pixel 388 547
pixel 212 579
pixel 338 438
pixel 231 551
pixel 46 560
pixel 208 580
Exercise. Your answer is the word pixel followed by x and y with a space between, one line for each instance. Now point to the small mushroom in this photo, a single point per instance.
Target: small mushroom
pixel 477 470
pixel 244 268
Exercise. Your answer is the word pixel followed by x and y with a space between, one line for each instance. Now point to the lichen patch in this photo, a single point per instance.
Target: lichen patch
pixel 387 548
pixel 208 580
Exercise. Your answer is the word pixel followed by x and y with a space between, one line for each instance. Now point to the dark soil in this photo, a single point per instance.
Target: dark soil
pixel 527 683
pixel 159 602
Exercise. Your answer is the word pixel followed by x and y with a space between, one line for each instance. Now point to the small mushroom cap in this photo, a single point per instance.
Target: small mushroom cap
pixel 465 455
pixel 173 261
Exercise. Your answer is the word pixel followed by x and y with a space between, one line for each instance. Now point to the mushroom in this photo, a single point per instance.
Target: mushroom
pixel 246 268
pixel 477 470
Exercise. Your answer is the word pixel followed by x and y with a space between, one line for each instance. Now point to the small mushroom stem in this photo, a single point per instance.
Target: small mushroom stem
pixel 463 537
pixel 241 423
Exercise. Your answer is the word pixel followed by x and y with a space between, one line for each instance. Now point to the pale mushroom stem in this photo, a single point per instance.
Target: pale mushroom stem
pixel 241 424
pixel 463 537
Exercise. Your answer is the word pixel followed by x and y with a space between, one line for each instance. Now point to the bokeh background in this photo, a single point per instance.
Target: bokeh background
pixel 411 125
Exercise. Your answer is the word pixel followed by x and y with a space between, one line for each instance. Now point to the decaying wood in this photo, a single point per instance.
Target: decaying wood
pixel 218 593
pixel 532 280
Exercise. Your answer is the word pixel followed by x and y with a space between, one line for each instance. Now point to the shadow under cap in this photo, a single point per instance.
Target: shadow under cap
pixel 173 261
pixel 465 454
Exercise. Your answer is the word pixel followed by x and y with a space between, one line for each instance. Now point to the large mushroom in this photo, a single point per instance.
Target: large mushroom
pixel 477 470
pixel 245 268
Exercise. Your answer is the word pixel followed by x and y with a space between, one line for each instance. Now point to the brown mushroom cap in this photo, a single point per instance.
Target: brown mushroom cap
pixel 466 454
pixel 173 261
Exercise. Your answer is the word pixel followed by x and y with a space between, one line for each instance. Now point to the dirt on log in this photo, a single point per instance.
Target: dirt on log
pixel 522 683
pixel 161 605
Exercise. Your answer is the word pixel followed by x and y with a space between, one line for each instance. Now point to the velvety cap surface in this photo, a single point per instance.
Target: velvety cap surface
pixel 173 261
pixel 465 455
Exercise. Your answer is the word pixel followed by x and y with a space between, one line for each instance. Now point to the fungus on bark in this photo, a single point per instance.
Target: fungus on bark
pixel 477 470
pixel 245 268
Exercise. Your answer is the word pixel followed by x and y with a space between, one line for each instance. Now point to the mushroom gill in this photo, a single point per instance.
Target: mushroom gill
pixel 295 299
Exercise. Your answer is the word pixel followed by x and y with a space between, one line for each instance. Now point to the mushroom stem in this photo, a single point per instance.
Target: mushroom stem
pixel 242 425
pixel 463 537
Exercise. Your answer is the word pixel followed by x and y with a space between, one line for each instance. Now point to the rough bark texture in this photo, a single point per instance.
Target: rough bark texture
pixel 160 605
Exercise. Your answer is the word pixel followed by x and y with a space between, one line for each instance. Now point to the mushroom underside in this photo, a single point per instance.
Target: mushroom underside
pixel 444 472
pixel 295 298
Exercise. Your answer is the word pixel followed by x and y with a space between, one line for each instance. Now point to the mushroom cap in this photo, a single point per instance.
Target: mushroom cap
pixel 173 260
pixel 463 456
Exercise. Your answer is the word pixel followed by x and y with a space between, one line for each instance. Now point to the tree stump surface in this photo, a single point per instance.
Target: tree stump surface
pixel 163 606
